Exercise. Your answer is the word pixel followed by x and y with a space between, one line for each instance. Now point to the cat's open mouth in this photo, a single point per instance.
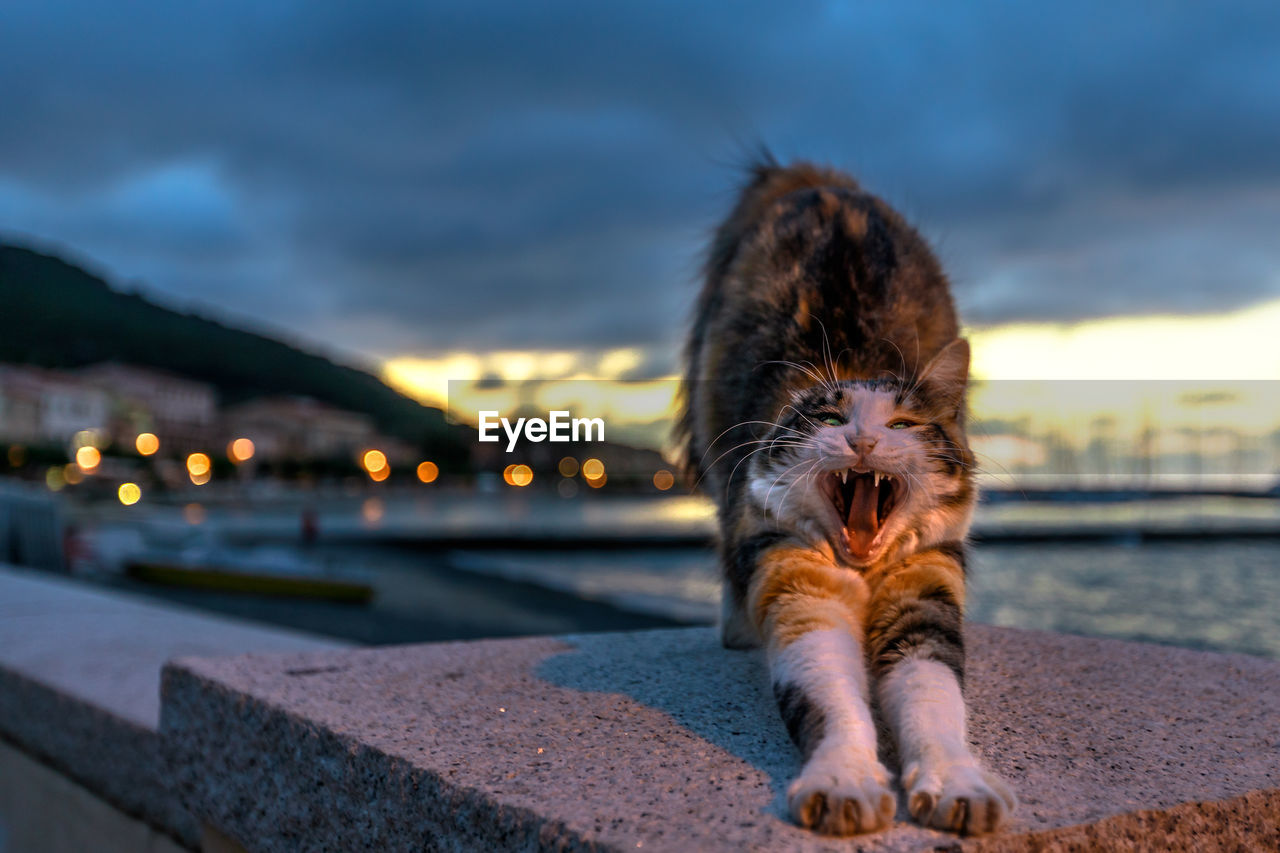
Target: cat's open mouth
pixel 863 500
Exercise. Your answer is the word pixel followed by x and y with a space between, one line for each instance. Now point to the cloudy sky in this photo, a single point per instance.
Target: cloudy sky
pixel 431 184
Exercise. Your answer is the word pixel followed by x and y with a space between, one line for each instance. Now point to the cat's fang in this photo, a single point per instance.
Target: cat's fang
pixel 877 476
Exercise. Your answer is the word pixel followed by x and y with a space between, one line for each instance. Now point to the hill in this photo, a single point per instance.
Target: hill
pixel 55 314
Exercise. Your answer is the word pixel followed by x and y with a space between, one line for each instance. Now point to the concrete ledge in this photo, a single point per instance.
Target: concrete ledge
pixel 117 759
pixel 80 677
pixel 662 740
pixel 42 810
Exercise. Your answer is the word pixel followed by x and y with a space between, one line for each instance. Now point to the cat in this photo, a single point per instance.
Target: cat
pixel 823 408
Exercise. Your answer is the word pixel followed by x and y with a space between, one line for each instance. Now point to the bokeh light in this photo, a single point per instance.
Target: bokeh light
pixel 200 479
pixel 17 455
pixel 88 438
pixel 598 482
pixel 88 458
pixel 372 510
pixel 521 475
pixel 199 464
pixel 54 479
pixel 147 443
pixel 72 474
pixel 129 493
pixel 194 513
pixel 240 450
pixel 568 466
pixel 567 488
pixel 380 474
pixel 663 479
pixel 428 471
pixel 373 460
pixel 593 469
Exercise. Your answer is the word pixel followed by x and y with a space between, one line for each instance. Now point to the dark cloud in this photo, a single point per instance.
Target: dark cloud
pixel 391 178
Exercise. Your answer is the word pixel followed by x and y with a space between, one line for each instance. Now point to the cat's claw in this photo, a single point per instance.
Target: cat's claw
pixel 842 798
pixel 961 798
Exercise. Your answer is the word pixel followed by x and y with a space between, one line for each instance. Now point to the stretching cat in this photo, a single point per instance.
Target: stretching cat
pixel 823 407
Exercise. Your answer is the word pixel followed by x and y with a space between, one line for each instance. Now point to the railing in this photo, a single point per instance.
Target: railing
pixel 31 528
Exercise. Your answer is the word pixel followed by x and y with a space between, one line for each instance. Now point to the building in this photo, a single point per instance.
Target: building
pixel 182 412
pixel 298 428
pixel 41 406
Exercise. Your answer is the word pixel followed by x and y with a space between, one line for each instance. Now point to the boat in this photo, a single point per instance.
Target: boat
pixel 269 572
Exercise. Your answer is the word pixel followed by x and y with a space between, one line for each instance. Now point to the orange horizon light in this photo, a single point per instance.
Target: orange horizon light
pixel 88 458
pixel 129 493
pixel 373 460
pixel 240 450
pixel 146 443
pixel 593 469
pixel 199 464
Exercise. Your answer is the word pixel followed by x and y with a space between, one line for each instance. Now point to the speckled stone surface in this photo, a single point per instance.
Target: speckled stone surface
pixel 80 683
pixel 663 740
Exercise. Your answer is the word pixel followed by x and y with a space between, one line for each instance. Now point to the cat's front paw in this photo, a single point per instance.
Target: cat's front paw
pixel 835 795
pixel 959 797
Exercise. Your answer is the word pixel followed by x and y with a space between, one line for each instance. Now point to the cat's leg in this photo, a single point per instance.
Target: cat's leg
pixel 736 629
pixel 809 614
pixel 916 646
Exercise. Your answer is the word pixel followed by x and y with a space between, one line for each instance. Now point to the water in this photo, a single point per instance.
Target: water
pixel 1218 594
pixel 1214 592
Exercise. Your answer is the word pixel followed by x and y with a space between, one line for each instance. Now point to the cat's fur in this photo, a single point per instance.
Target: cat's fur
pixel 825 341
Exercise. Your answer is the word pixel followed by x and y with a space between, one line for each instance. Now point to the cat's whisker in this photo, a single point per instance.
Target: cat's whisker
pixel 770 443
pixel 711 447
pixel 809 371
pixel 747 456
pixel 711 444
pixel 783 502
pixel 800 413
pixel 808 471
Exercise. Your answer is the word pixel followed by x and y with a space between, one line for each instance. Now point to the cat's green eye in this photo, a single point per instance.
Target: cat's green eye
pixel 833 420
pixel 901 424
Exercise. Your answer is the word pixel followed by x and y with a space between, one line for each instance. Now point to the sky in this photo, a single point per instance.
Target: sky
pixel 439 191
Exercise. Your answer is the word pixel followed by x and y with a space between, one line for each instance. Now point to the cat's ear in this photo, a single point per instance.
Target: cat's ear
pixel 946 376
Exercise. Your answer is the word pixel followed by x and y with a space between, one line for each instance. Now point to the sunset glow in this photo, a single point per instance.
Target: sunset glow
pixel 427 378
pixel 1195 350
pixel 1238 345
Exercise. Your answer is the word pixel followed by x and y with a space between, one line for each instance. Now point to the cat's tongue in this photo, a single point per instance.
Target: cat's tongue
pixel 863 523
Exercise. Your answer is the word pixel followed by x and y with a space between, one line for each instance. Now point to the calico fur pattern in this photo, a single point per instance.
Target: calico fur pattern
pixel 822 408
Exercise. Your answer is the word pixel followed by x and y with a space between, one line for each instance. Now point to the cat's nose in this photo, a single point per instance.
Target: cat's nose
pixel 861 444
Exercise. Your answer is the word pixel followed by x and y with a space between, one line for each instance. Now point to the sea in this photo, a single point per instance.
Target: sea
pixel 1219 594
pixel 1199 572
